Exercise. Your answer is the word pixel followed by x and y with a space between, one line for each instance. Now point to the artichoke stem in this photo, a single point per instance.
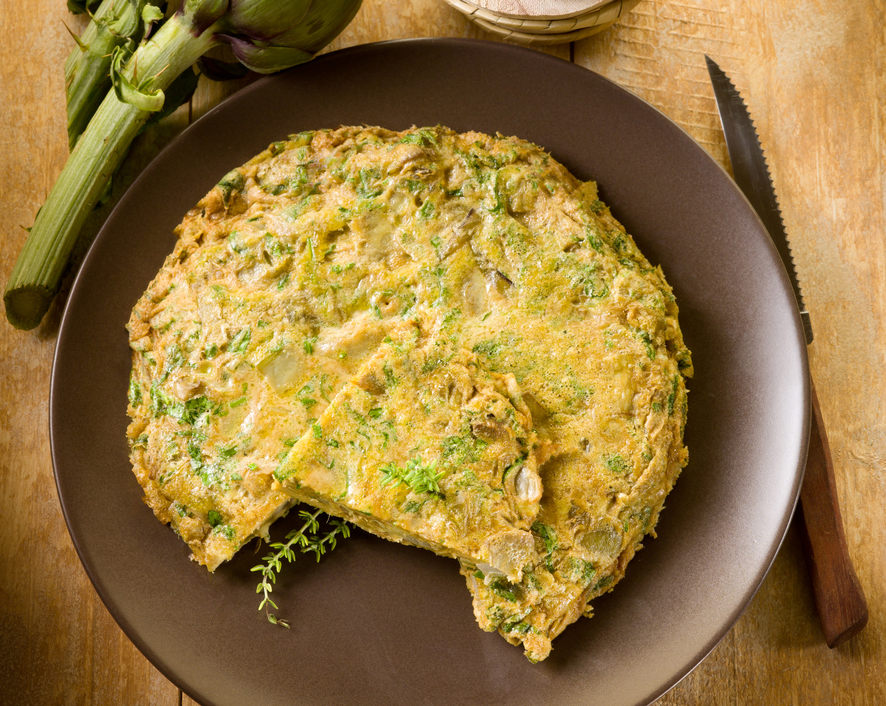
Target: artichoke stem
pixel 37 273
pixel 88 67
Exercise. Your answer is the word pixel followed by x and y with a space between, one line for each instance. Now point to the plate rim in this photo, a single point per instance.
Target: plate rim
pixel 168 670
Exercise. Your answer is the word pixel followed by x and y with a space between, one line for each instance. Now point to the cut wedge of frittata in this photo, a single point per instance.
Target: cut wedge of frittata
pixel 425 447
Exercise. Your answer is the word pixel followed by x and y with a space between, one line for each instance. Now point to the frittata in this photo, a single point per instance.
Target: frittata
pixel 444 337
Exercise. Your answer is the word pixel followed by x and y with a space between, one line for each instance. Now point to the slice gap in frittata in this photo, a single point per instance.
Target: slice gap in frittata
pixel 425 447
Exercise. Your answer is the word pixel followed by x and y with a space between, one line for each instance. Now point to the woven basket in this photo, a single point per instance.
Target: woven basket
pixel 543 22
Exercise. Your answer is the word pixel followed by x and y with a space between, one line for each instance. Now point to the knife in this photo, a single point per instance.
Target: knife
pixel 839 598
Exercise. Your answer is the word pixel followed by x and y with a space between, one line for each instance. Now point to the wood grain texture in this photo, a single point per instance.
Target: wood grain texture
pixel 827 158
pixel 810 75
pixel 813 74
pixel 59 644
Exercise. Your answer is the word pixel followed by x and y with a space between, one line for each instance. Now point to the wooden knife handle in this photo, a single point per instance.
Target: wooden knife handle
pixel 839 598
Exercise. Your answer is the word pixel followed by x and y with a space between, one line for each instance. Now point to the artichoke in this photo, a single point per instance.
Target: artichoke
pixel 87 70
pixel 264 35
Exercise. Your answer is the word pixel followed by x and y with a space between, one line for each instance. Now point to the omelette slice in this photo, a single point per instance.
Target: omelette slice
pixel 427 448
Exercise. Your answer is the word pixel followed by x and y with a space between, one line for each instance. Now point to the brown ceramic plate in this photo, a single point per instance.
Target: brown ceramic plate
pixel 379 623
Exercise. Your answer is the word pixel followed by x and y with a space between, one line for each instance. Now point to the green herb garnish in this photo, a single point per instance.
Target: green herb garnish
pixel 419 476
pixel 241 341
pixel 549 537
pixel 308 538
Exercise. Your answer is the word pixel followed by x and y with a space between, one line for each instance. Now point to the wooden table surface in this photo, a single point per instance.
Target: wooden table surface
pixel 814 76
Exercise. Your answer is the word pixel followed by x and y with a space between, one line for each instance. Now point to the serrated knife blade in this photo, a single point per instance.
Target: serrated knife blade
pixel 751 173
pixel 842 607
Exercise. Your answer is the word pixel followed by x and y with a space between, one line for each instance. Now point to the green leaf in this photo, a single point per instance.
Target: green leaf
pixel 549 537
pixel 504 589
pixel 129 93
pixel 179 92
pixel 151 14
pixel 241 341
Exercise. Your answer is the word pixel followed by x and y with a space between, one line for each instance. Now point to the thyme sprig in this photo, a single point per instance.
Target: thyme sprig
pixel 308 538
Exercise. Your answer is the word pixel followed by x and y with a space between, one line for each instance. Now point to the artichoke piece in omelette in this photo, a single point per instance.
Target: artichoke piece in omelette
pixel 304 276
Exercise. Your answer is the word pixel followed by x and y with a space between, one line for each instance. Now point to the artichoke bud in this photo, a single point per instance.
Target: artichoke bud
pixel 204 13
pixel 263 20
pixel 266 59
pixel 324 22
